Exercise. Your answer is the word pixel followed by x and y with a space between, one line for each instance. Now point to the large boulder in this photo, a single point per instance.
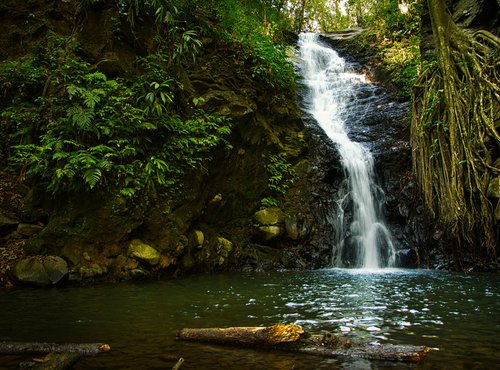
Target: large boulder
pixel 40 270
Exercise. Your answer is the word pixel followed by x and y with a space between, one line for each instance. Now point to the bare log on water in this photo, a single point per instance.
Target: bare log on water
pixel 53 361
pixel 245 335
pixel 293 338
pixel 59 356
pixel 16 348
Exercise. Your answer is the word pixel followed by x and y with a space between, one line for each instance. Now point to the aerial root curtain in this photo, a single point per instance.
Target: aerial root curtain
pixel 454 138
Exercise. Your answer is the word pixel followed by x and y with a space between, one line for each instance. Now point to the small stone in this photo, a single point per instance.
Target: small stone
pixel 216 199
pixel 267 233
pixel 196 239
pixel 29 229
pixel 224 244
pixel 137 273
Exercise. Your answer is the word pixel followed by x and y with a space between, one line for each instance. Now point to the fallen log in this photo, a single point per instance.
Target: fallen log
pixel 16 348
pixel 293 338
pixel 53 361
pixel 58 356
pixel 266 335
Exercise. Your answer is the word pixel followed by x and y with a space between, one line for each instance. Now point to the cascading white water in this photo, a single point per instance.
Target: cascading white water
pixel 329 97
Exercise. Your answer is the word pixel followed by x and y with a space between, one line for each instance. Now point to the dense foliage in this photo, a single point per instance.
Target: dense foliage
pixel 78 130
pixel 331 15
pixel 70 127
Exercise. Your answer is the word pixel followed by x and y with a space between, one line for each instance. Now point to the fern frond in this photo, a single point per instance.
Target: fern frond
pixel 80 117
pixel 92 177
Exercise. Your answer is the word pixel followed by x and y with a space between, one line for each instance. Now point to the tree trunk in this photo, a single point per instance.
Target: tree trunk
pixel 299 25
pixel 292 338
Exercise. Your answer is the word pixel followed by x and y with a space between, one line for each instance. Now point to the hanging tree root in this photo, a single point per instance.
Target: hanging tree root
pixel 293 338
pixel 455 131
pixel 59 356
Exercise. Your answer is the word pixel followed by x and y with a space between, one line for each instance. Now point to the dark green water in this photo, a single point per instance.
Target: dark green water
pixel 457 315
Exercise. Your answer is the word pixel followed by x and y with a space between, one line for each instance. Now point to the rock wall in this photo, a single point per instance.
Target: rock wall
pixel 209 225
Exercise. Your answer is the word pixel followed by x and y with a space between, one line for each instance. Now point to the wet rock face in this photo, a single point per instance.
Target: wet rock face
pixel 380 121
pixel 476 14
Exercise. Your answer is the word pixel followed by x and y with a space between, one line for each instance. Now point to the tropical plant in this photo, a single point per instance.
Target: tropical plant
pixel 95 134
pixel 281 178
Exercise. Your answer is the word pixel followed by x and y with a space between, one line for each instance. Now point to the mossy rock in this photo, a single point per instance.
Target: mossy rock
pixel 144 252
pixel 196 239
pixel 224 246
pixel 40 270
pixel 269 216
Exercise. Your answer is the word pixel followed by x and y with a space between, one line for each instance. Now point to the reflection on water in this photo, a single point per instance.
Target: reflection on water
pixel 458 315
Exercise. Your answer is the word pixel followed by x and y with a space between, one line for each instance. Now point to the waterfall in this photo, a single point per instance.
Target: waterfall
pixel 329 99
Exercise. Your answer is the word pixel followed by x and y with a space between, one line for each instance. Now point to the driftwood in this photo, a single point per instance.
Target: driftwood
pixel 293 338
pixel 58 356
pixel 16 348
pixel 178 364
pixel 53 361
pixel 245 335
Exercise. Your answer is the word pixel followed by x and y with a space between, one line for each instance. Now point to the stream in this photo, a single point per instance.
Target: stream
pixel 457 315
